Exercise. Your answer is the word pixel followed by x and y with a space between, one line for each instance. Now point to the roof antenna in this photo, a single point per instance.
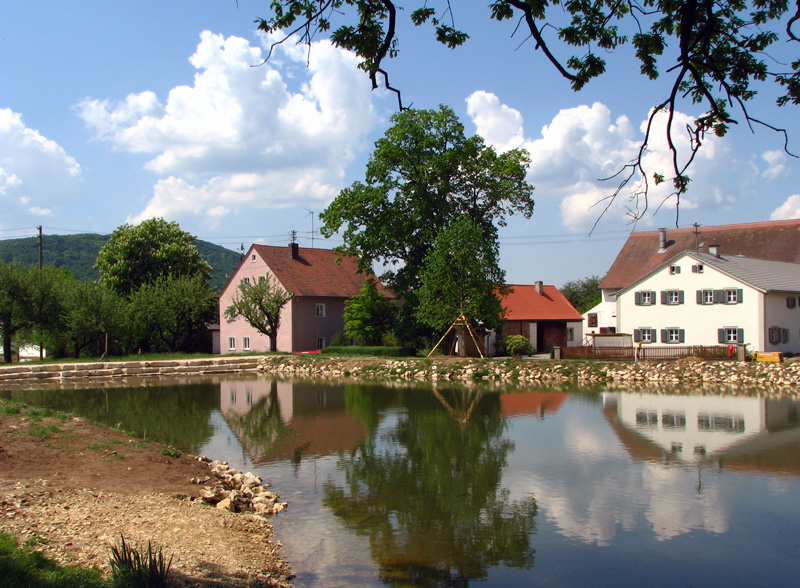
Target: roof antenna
pixel 311 212
pixel 242 250
pixel 293 236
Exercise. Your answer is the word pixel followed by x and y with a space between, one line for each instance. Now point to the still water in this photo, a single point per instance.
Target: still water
pixel 453 487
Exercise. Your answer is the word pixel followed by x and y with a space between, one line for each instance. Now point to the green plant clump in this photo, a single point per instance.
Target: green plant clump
pixel 132 569
pixel 370 351
pixel 517 345
pixel 22 566
pixel 171 452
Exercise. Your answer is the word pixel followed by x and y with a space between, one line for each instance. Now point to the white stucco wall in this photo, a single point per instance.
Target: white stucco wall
pixel 778 314
pixel 700 322
pixel 606 312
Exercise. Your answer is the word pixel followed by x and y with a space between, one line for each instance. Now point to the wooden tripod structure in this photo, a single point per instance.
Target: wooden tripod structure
pixel 461 323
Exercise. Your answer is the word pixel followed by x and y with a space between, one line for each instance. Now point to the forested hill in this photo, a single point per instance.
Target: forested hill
pixel 78 253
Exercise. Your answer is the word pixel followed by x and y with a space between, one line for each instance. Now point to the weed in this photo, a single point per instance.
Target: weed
pixel 44 432
pixel 170 451
pixel 10 410
pixel 132 569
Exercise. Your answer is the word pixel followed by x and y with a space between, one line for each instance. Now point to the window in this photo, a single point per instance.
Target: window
pixel 231 343
pixel 674 269
pixel 644 298
pixel 672 297
pixel 320 342
pixel 705 297
pixel 677 447
pixel 262 279
pixel 246 343
pixel 253 257
pixel 672 335
pixel 570 333
pixel 733 296
pixel 320 312
pixel 644 335
pixel 591 320
pixel 246 280
pixel 697 268
pixel 791 302
pixel 673 420
pixel 777 335
pixel 729 335
pixel 646 418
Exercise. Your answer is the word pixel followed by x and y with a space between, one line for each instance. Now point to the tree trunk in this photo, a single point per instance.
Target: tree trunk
pixel 273 341
pixel 7 345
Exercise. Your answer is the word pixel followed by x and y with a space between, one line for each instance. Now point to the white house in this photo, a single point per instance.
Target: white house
pixel 646 250
pixel 710 298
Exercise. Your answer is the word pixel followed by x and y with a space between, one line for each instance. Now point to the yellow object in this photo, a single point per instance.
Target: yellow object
pixel 771 356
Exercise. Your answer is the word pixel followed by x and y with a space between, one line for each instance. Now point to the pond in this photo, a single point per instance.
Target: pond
pixel 459 487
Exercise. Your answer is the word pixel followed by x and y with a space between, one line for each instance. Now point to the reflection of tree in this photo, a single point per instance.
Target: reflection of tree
pixel 177 415
pixel 427 493
pixel 261 428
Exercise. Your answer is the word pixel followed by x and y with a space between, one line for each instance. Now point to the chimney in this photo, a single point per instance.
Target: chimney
pixel 294 250
pixel 714 250
pixel 538 285
pixel 662 240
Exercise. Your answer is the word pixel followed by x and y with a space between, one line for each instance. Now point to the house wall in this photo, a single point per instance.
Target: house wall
pixel 577 330
pixel 308 327
pixel 778 314
pixel 699 322
pixel 605 312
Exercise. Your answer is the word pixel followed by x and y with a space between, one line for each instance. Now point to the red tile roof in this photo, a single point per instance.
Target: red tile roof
pixel 314 272
pixel 524 303
pixel 774 240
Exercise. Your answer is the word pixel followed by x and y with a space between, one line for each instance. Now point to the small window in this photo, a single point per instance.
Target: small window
pixel 253 257
pixel 672 297
pixel 246 280
pixel 791 302
pixel 698 268
pixel 672 335
pixel 733 296
pixel 591 320
pixel 674 269
pixel 644 298
pixel 231 343
pixel 246 343
pixel 570 333
pixel 677 447
pixel 644 335
pixel 262 279
pixel 320 342
pixel 705 297
pixel 320 312
pixel 730 335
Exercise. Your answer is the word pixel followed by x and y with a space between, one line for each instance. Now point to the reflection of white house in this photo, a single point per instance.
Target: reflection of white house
pixel 697 428
pixel 709 298
pixel 646 250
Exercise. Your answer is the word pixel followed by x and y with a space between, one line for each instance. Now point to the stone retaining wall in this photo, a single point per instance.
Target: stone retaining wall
pixel 699 375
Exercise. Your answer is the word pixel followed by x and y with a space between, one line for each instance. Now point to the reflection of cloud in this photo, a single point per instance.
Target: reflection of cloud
pixel 239 139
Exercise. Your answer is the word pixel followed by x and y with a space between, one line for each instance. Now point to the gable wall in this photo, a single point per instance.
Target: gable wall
pixel 700 322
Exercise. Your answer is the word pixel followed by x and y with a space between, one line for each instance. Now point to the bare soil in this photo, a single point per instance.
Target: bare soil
pixel 72 489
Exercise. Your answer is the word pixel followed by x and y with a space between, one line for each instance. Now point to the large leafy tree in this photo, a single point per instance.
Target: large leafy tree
pixel 369 314
pixel 713 52
pixel 462 275
pixel 141 254
pixel 13 294
pixel 583 294
pixel 423 175
pixel 260 305
pixel 93 315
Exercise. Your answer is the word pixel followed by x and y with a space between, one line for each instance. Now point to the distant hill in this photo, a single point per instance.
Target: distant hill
pixel 79 252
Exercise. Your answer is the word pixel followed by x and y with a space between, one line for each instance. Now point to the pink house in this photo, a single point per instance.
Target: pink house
pixel 320 281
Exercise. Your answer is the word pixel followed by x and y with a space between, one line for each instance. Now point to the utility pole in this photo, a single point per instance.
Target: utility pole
pixel 41 254
pixel 311 212
pixel 696 238
pixel 41 258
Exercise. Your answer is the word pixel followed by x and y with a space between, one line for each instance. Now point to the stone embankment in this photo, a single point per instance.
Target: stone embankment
pixel 730 376
pixel 717 376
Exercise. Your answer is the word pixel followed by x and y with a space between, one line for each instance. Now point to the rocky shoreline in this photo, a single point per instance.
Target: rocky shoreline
pixel 727 376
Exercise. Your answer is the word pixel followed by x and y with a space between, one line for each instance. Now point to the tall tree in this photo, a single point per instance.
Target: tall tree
pixel 92 313
pixel 715 53
pixel 144 253
pixel 260 305
pixel 462 275
pixel 423 175
pixel 14 289
pixel 583 294
pixel 369 314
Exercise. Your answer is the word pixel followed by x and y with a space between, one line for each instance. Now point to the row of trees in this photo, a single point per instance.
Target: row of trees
pixel 153 295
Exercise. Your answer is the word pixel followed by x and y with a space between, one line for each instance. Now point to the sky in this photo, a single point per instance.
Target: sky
pixel 114 112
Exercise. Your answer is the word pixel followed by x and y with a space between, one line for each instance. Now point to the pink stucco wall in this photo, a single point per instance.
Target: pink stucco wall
pixel 299 328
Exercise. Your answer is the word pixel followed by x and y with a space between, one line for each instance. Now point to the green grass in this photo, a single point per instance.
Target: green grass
pixel 22 566
pixel 43 432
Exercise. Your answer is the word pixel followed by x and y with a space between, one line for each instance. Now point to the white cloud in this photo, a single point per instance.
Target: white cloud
pixel 583 145
pixel 776 164
pixel 243 137
pixel 787 210
pixel 36 174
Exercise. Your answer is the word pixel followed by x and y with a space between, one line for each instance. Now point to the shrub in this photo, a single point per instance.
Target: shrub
pixel 517 345
pixel 170 451
pixel 131 569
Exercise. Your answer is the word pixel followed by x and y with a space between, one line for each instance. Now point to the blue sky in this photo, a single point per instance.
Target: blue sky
pixel 112 112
